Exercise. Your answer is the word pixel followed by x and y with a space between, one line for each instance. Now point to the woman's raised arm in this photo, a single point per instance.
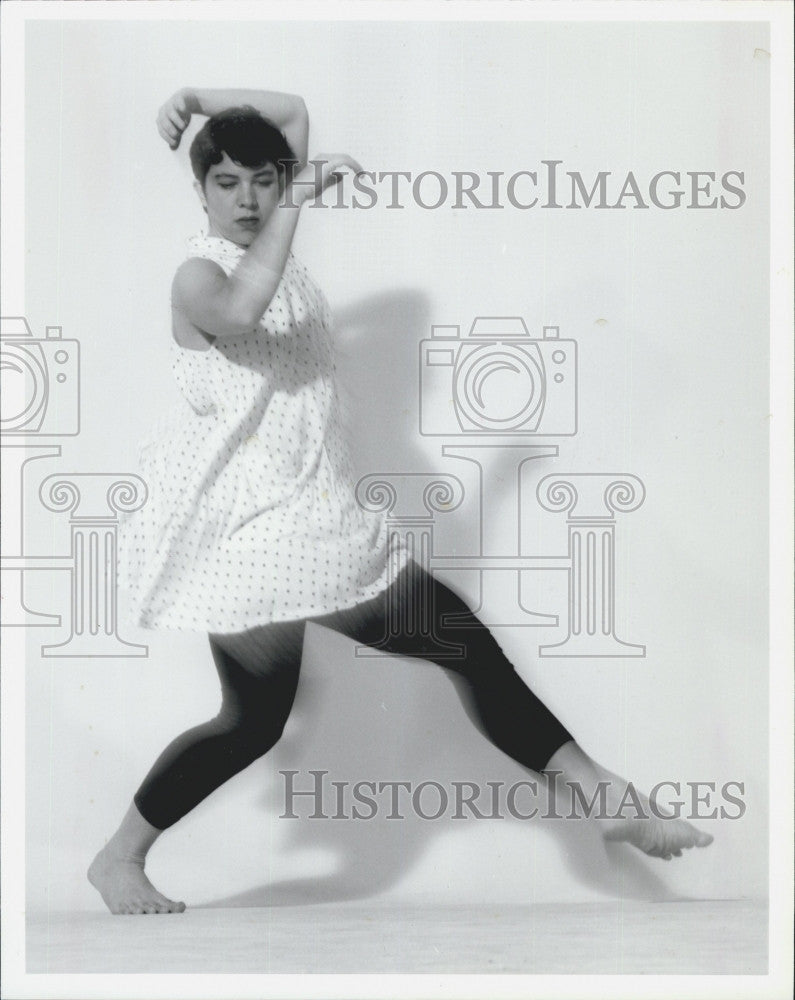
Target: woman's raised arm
pixel 287 111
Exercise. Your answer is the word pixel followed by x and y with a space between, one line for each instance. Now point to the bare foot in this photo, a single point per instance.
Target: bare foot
pixel 125 888
pixel 653 831
pixel 659 838
pixel 629 816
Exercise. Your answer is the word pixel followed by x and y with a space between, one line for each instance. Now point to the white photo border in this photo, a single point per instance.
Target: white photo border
pixel 16 983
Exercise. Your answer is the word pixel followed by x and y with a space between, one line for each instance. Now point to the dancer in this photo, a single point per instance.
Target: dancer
pixel 251 528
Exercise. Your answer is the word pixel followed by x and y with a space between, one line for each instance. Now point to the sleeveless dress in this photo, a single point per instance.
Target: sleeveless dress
pixel 251 516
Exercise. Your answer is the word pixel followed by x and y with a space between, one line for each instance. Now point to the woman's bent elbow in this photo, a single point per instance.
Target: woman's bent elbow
pixel 242 318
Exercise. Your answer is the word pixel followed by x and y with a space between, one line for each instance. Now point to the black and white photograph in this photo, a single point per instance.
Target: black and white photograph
pixel 396 499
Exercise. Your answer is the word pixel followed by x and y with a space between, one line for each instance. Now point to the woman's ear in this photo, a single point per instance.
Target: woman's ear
pixel 200 192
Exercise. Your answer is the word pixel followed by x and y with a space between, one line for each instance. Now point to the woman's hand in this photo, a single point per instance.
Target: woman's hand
pixel 323 171
pixel 174 116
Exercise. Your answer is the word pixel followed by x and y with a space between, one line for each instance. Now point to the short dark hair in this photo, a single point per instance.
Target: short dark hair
pixel 246 136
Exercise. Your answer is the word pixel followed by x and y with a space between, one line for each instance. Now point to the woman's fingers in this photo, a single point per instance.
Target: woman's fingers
pixel 170 129
pixel 176 119
pixel 333 161
pixel 355 166
pixel 171 136
pixel 322 171
pixel 172 120
pixel 331 167
pixel 167 133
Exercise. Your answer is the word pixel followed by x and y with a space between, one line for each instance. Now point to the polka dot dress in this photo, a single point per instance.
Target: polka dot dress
pixel 251 516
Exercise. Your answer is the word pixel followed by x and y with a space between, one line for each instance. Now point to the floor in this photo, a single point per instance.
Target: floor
pixel 685 937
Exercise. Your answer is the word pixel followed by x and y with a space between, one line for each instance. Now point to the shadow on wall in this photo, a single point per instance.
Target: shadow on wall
pixel 389 719
pixel 385 719
pixel 377 346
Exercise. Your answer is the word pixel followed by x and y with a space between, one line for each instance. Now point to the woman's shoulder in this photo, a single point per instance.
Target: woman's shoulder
pixel 195 278
pixel 223 252
pixel 192 276
pixel 205 247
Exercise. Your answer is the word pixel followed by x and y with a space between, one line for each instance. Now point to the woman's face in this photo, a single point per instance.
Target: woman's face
pixel 239 200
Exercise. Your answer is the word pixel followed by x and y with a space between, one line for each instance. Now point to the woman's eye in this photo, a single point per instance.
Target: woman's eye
pixel 226 187
pixel 266 184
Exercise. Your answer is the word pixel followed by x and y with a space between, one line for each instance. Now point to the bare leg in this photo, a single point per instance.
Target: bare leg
pixel 658 836
pixel 117 872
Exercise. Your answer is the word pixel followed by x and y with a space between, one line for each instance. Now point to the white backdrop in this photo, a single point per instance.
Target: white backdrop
pixel 671 317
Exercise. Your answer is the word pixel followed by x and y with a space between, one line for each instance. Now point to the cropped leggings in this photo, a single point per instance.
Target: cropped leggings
pixel 259 671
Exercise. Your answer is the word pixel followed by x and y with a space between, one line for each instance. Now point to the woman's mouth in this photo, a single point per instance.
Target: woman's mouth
pixel 248 220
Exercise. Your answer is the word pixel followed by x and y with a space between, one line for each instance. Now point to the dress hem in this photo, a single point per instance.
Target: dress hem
pixel 181 624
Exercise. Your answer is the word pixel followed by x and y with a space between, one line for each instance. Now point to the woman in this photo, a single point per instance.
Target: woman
pixel 251 529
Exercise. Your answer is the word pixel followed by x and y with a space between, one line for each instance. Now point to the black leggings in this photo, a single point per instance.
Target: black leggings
pixel 259 675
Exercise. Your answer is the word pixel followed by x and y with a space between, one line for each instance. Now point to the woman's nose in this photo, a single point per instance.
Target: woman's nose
pixel 247 197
